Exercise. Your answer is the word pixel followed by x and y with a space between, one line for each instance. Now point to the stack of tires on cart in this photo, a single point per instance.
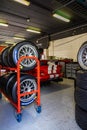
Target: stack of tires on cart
pixel 8 82
pixel 81 89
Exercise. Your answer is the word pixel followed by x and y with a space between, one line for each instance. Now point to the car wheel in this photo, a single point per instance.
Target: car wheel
pixel 27 84
pixel 24 48
pixel 82 56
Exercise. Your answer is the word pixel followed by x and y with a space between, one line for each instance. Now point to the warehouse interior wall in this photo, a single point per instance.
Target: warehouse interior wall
pixel 67 47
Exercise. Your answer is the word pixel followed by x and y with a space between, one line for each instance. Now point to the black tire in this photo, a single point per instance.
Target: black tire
pixel 0 59
pixel 81 98
pixel 10 85
pixel 25 48
pixel 10 78
pixel 4 57
pixel 82 75
pixel 4 81
pixel 12 89
pixel 1 82
pixel 81 117
pixel 75 82
pixel 81 57
pixel 10 58
pixel 81 84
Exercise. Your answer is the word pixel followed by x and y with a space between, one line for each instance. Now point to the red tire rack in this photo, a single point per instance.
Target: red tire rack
pixel 19 95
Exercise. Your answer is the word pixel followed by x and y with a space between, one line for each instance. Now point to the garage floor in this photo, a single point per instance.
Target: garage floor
pixel 57 110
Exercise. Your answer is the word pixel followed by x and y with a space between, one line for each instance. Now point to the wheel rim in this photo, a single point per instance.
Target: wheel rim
pixel 27 50
pixel 82 57
pixel 28 85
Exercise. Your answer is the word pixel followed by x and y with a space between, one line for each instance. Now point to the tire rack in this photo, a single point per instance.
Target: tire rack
pixel 19 95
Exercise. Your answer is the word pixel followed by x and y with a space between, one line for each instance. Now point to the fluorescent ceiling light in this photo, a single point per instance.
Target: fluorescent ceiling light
pixel 19 38
pixel 10 42
pixel 3 24
pixel 7 42
pixel 61 15
pixel 24 2
pixel 32 30
pixel 61 18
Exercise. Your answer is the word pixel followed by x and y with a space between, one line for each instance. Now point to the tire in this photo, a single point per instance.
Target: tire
pixel 81 98
pixel 75 82
pixel 81 117
pixel 4 57
pixel 10 85
pixel 82 75
pixel 81 84
pixel 24 48
pixel 10 78
pixel 1 82
pixel 4 81
pixel 81 56
pixel 12 89
pixel 81 80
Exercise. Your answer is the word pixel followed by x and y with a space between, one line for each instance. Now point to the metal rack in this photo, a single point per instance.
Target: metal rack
pixel 71 69
pixel 19 95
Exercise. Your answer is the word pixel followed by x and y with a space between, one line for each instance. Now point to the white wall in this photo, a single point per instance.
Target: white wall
pixel 67 47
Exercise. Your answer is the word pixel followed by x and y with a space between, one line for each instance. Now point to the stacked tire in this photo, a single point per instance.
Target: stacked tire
pixel 81 89
pixel 10 55
pixel 81 99
pixel 8 82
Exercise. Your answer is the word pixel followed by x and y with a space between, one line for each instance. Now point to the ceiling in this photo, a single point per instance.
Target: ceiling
pixel 40 14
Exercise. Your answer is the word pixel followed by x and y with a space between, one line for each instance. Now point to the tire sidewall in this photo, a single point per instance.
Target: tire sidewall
pixel 14 91
pixel 14 52
pixel 79 56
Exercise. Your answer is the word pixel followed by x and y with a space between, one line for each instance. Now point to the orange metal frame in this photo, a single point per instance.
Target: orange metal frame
pixel 19 95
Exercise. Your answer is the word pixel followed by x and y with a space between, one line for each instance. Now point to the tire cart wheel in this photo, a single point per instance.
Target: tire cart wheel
pixel 38 108
pixel 18 116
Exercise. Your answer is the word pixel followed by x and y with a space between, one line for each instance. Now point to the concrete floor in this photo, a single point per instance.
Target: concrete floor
pixel 57 110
